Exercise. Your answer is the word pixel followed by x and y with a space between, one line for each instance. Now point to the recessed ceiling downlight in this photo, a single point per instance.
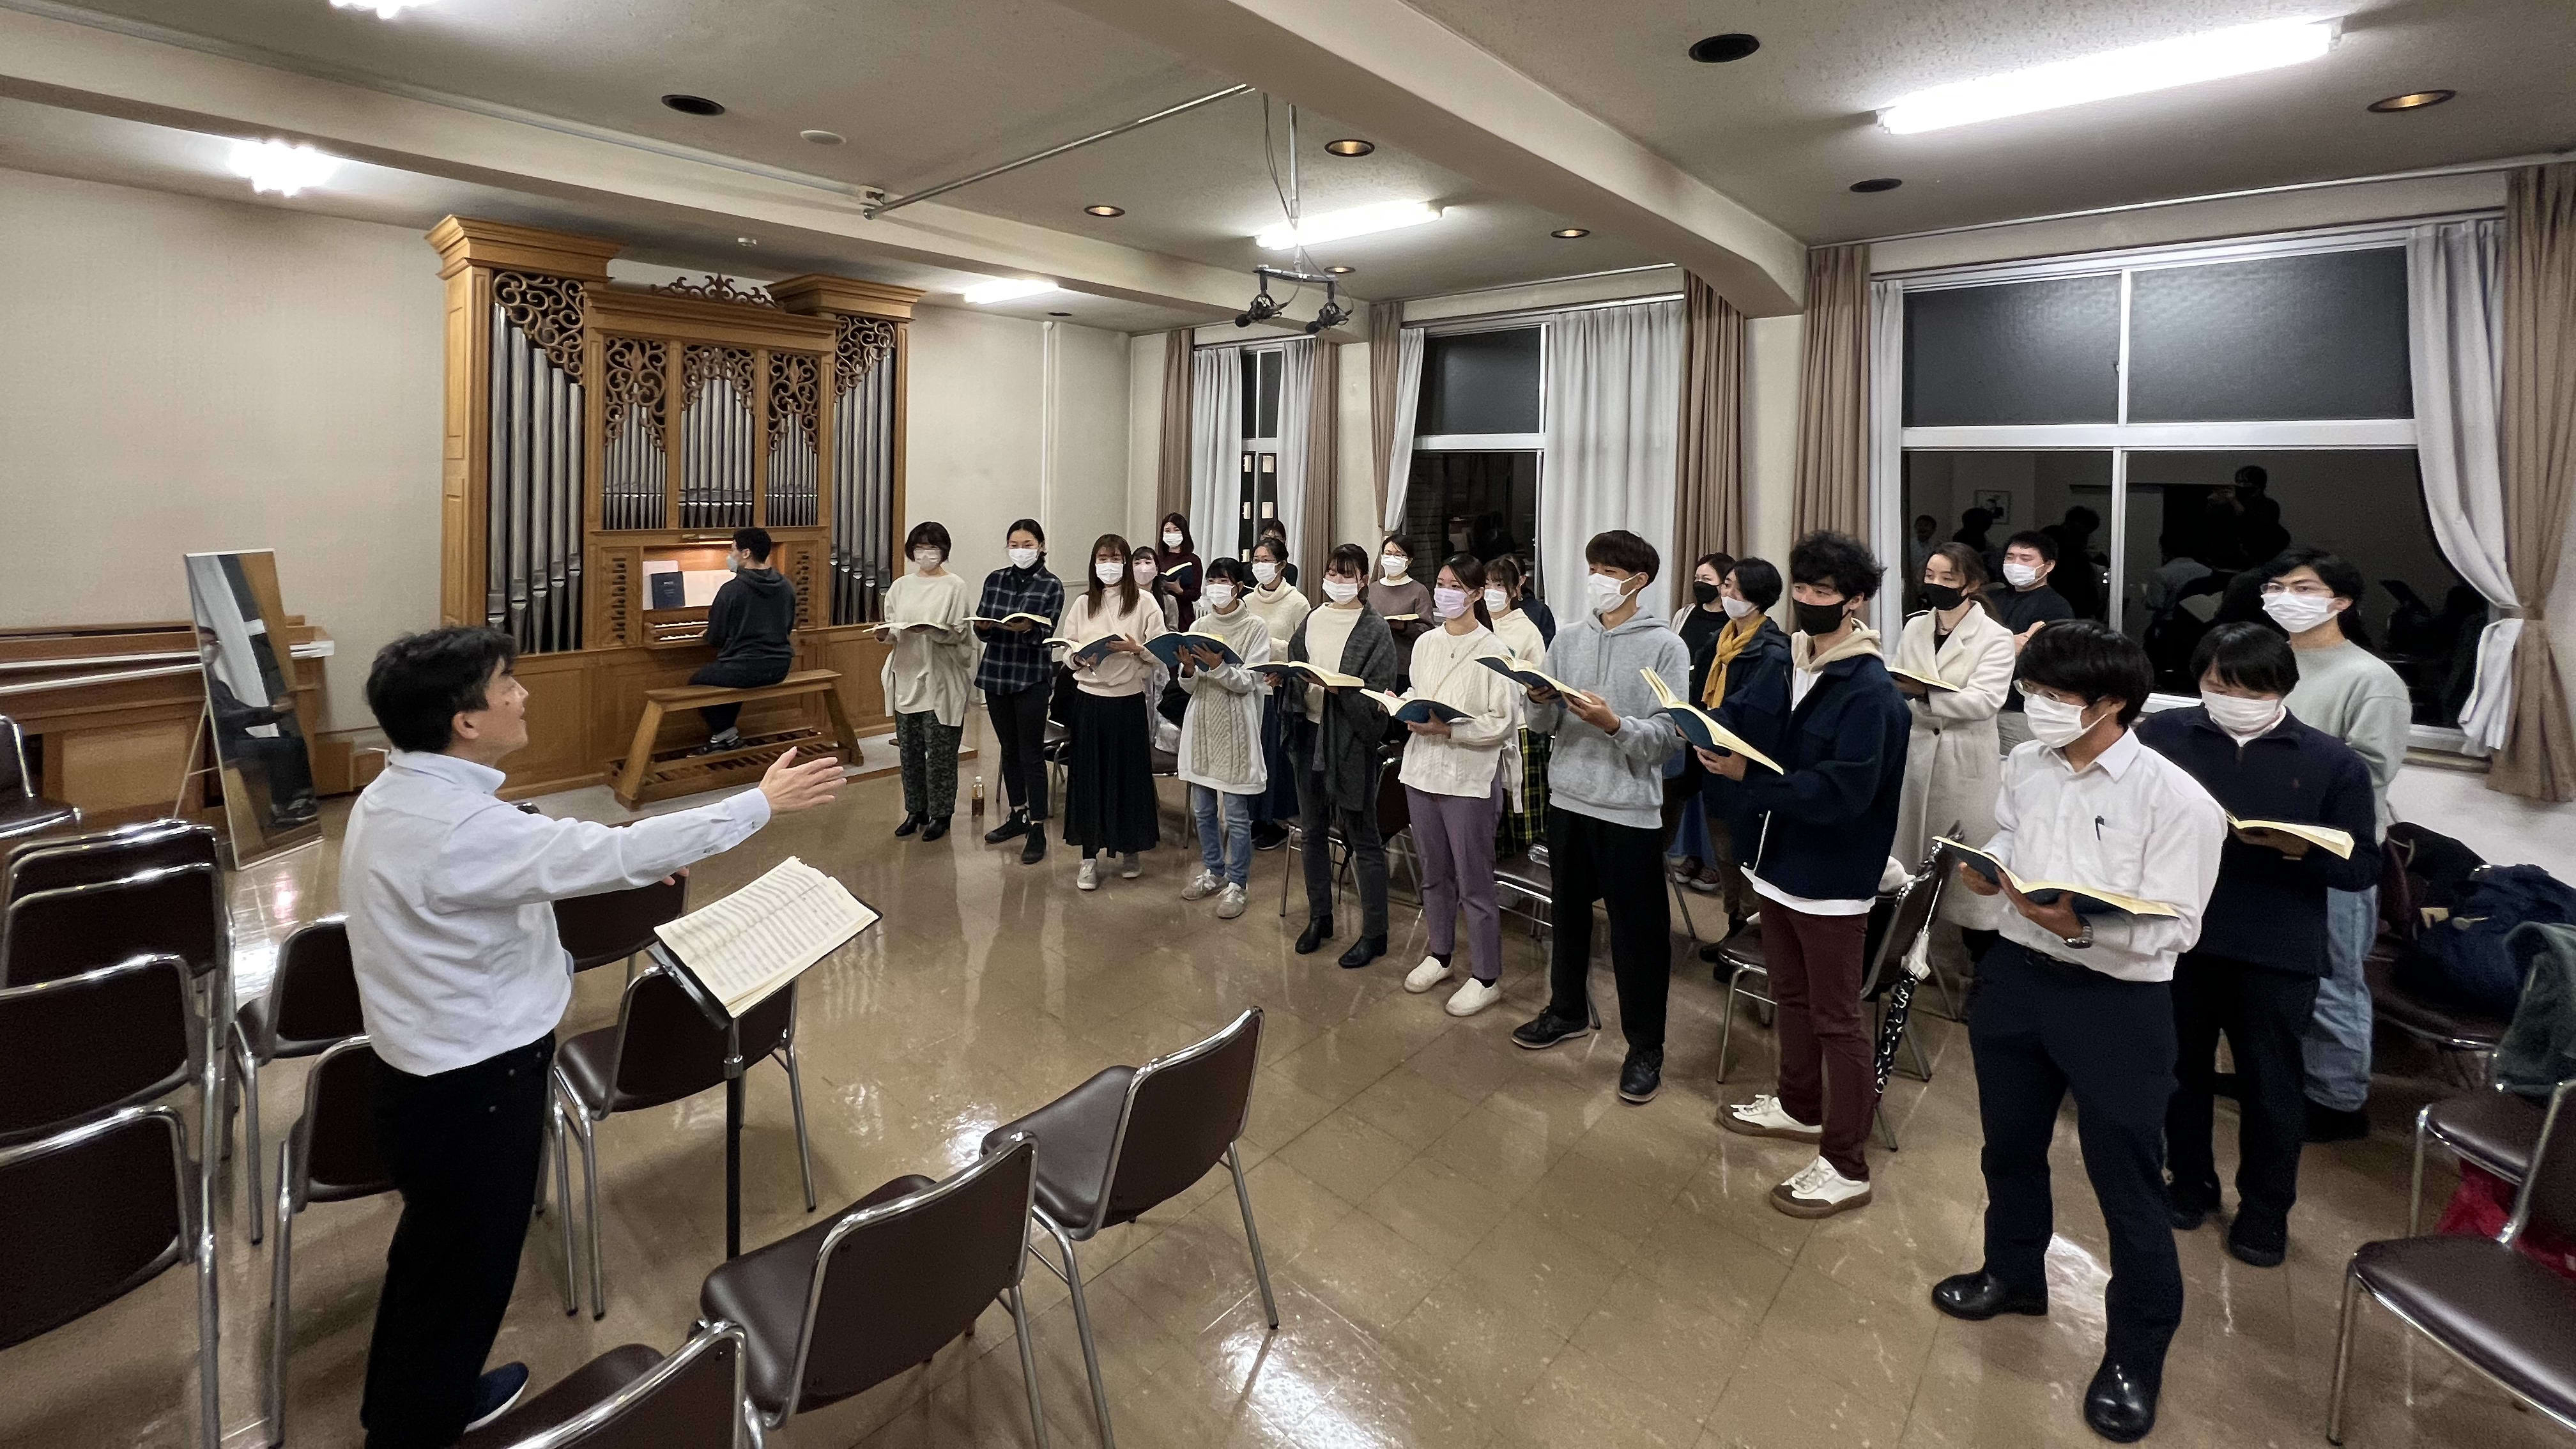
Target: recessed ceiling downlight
pixel 693 105
pixel 1877 183
pixel 1102 208
pixel 1570 233
pixel 1719 49
pixel 1350 146
pixel 280 166
pixel 1341 271
pixel 385 9
pixel 822 138
pixel 2411 101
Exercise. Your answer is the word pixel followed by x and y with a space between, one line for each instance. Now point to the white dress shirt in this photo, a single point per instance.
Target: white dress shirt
pixel 447 892
pixel 2132 822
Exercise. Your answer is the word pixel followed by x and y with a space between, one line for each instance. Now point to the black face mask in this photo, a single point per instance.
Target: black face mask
pixel 1818 618
pixel 1942 596
pixel 1703 593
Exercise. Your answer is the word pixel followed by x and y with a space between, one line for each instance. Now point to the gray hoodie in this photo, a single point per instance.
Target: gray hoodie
pixel 1614 777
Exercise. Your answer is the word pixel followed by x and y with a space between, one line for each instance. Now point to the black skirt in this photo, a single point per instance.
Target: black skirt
pixel 1110 804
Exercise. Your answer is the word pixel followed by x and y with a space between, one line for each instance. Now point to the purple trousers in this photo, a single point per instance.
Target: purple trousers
pixel 1455 834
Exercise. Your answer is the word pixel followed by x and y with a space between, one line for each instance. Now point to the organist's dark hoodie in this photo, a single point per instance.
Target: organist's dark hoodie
pixel 751 617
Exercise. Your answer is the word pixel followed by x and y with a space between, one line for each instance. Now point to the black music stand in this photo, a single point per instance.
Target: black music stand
pixel 716 1015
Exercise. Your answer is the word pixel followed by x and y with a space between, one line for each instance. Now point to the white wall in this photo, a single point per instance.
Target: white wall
pixel 184 375
pixel 1087 400
pixel 1144 430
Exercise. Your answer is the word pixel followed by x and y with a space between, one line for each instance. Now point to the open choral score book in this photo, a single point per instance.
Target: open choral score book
pixel 1529 676
pixel 1928 681
pixel 2087 900
pixel 743 948
pixel 1087 655
pixel 2323 837
pixel 1413 711
pixel 1168 646
pixel 1701 728
pixel 1040 621
pixel 1315 674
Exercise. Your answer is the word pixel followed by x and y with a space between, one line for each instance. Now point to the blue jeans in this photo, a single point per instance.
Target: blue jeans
pixel 2337 1046
pixel 1225 833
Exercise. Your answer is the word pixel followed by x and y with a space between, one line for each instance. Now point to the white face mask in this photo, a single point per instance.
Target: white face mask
pixel 2239 716
pixel 1607 593
pixel 925 559
pixel 1449 603
pixel 1219 596
pixel 1024 558
pixel 1145 572
pixel 1172 539
pixel 1341 591
pixel 1497 602
pixel 2298 613
pixel 1735 608
pixel 1108 571
pixel 2020 575
pixel 1265 574
pixel 1393 565
pixel 2054 722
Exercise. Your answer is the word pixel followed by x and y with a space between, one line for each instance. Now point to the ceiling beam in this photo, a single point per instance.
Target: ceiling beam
pixel 1407 80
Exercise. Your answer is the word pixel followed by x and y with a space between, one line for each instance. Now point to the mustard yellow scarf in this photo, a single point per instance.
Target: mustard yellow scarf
pixel 1732 640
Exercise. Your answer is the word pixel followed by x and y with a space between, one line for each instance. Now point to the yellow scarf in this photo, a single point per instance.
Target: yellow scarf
pixel 1731 641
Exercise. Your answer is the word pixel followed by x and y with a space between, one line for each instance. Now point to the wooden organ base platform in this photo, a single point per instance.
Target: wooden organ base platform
pixel 651 773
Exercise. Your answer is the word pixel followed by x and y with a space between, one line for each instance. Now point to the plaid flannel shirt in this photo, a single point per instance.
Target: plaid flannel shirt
pixel 1018 661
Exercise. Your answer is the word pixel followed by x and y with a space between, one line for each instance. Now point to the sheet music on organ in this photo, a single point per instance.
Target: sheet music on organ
pixel 743 948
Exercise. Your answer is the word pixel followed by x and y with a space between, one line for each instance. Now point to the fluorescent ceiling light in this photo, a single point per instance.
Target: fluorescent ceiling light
pixel 1335 225
pixel 1009 289
pixel 385 9
pixel 2138 69
pixel 282 168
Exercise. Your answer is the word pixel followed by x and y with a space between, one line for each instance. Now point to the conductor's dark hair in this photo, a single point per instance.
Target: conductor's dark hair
pixel 2246 656
pixel 754 541
pixel 1620 549
pixel 1348 558
pixel 420 683
pixel 2092 661
pixel 2032 538
pixel 933 534
pixel 1836 561
pixel 1029 526
pixel 1758 581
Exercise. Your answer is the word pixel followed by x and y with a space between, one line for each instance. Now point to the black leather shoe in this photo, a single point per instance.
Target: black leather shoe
pixel 935 829
pixel 1269 835
pixel 1981 1295
pixel 1319 929
pixel 1642 1077
pixel 1011 829
pixel 2258 1239
pixel 2121 1404
pixel 1033 849
pixel 1363 951
pixel 1547 1029
pixel 910 824
pixel 2333 1124
pixel 2188 1207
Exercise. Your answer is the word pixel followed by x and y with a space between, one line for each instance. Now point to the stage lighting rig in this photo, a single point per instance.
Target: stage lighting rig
pixel 1263 308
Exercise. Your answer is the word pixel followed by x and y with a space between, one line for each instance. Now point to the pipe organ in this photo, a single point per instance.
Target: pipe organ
pixel 600 436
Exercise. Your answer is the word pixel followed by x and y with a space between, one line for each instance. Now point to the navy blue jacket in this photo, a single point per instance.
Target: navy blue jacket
pixel 1756 707
pixel 1824 825
pixel 2268 909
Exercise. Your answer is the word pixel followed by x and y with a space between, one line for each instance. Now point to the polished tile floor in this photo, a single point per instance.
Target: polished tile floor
pixel 1472 1244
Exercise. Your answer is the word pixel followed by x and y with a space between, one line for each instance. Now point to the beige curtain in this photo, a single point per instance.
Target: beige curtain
pixel 2538 427
pixel 1386 324
pixel 1832 487
pixel 1172 468
pixel 1708 492
pixel 1323 471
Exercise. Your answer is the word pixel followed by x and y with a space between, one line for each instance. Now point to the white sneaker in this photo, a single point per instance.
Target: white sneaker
pixel 1129 867
pixel 1089 880
pixel 1818 1191
pixel 1762 1117
pixel 1474 997
pixel 1201 886
pixel 1230 903
pixel 1425 976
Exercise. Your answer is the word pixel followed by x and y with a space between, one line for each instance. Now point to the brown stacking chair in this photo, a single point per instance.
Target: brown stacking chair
pixel 65 930
pixel 23 812
pixel 2492 1130
pixel 2486 1304
pixel 95 1212
pixel 80 1047
pixel 1130 1139
pixel 662 1049
pixel 889 1281
pixel 312 1002
pixel 615 925
pixel 330 1156
pixel 632 1397
pixel 108 854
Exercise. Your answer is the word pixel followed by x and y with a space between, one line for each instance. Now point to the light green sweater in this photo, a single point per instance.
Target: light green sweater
pixel 2349 693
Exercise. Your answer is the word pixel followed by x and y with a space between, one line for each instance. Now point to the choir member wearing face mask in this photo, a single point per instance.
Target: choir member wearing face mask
pixel 1275 597
pixel 1334 740
pixel 1110 806
pixel 1017 676
pixel 1179 571
pixel 928 677
pixel 1404 601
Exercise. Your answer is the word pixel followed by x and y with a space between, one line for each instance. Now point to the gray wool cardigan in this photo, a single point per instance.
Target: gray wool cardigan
pixel 1352 726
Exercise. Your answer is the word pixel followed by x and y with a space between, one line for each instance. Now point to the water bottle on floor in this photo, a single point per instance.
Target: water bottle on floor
pixel 976 809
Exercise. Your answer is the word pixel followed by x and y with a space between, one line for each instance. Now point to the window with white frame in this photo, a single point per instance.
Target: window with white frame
pixel 2172 420
pixel 1479 440
pixel 1257 500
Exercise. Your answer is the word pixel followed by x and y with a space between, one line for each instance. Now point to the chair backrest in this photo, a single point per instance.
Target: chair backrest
pixel 2548 1195
pixel 1183 1110
pixel 1916 900
pixel 14 784
pixel 336 1157
pixel 54 861
pixel 613 925
pixel 81 1046
pixel 691 1400
pixel 1394 810
pixel 895 1282
pixel 313 1001
pixel 94 1212
pixel 667 1049
pixel 178 910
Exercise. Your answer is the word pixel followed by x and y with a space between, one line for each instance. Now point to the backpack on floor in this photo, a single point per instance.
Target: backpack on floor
pixel 2463 962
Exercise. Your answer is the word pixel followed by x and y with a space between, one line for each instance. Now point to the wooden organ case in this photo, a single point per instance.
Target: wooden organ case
pixel 599 436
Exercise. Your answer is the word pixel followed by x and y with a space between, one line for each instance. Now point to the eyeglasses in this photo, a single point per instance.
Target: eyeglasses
pixel 2304 588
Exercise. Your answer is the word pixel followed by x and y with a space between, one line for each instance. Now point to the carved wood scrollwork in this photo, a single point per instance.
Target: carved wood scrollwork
pixel 548 310
pixel 621 601
pixel 861 344
pixel 702 365
pixel 719 289
pixel 636 379
pixel 795 395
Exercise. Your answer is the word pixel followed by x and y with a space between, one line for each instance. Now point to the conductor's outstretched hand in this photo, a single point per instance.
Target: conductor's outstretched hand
pixel 792 787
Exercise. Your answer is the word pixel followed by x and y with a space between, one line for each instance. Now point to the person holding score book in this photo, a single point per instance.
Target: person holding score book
pixel 1954 665
pixel 1341 649
pixel 2265 942
pixel 2070 1002
pixel 927 678
pixel 1220 755
pixel 1747 659
pixel 1020 607
pixel 1459 765
pixel 1109 791
pixel 1827 802
pixel 461 983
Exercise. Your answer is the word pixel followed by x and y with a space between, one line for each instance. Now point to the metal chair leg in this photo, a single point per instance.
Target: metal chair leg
pixel 1260 1266
pixel 1681 897
pixel 249 1071
pixel 796 1100
pixel 1886 1129
pixel 590 1212
pixel 2343 1357
pixel 1922 1063
pixel 1726 1020
pixel 210 1335
pixel 1028 1363
pixel 279 1281
pixel 2415 1184
pixel 563 1192
pixel 1082 1329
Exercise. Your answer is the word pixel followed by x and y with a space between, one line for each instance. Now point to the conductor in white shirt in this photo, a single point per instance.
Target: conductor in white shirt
pixel 461 981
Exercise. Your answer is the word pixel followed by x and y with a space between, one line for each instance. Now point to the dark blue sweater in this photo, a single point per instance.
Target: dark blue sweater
pixel 1826 821
pixel 1756 707
pixel 2268 909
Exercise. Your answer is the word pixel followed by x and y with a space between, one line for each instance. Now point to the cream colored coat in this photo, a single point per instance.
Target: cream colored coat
pixel 1953 766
